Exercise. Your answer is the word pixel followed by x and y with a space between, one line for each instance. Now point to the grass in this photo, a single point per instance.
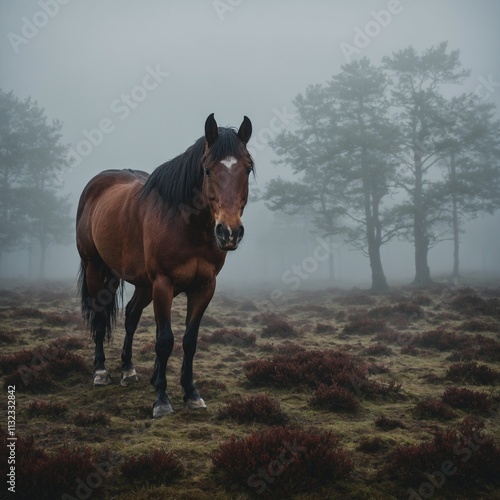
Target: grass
pixel 383 380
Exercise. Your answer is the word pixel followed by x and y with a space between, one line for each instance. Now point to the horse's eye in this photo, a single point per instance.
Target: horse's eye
pixel 249 171
pixel 207 172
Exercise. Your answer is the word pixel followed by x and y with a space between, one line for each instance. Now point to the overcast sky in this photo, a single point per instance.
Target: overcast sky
pixel 151 71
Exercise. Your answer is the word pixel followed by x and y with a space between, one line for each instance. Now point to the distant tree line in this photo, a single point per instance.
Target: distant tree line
pixel 380 153
pixel 32 160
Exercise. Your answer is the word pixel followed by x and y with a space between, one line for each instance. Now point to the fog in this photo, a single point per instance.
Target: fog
pixel 83 60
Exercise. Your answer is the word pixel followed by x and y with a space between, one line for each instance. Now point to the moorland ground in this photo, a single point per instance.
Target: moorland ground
pixel 399 391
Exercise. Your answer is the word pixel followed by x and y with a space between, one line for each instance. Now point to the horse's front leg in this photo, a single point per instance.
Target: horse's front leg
pixel 162 303
pixel 198 301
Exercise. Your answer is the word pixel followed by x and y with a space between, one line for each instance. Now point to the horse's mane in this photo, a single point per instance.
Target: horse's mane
pixel 177 181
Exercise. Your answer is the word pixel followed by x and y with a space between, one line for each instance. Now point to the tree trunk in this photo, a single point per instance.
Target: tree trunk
pixel 331 264
pixel 43 249
pixel 379 283
pixel 422 271
pixel 456 243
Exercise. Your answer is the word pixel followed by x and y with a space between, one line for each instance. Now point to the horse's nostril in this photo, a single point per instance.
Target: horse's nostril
pixel 241 232
pixel 219 231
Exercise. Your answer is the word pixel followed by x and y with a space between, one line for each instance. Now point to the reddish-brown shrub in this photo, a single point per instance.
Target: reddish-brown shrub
pixel 40 367
pixel 7 337
pixel 388 424
pixel 472 373
pixel 278 327
pixel 466 399
pixel 378 350
pixel 41 407
pixel 334 397
pixel 475 456
pixel 288 348
pixel 437 339
pixel 156 467
pixel 282 460
pixel 57 319
pixel 325 328
pixel 364 326
pixel 434 408
pixel 27 312
pixel 421 299
pixel 479 325
pixel 45 475
pixel 210 321
pixel 231 337
pixel 473 305
pixel 260 408
pixel 410 350
pixel 308 368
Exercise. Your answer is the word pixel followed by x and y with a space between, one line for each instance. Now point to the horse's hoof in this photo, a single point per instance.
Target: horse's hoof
pixel 195 404
pixel 162 409
pixel 101 378
pixel 129 376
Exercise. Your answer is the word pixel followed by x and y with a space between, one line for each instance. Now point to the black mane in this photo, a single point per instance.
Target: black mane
pixel 177 181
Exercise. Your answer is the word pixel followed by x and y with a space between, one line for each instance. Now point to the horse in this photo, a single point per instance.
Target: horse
pixel 166 233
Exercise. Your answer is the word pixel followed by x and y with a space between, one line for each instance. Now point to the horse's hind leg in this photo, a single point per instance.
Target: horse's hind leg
pixel 141 298
pixel 98 301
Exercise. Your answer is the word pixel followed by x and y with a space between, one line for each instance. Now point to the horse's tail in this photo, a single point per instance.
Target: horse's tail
pixel 106 301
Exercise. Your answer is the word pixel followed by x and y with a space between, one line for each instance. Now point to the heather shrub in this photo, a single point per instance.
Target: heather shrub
pixel 308 369
pixel 434 408
pixel 325 328
pixel 260 408
pixel 479 325
pixel 378 350
pixel 40 407
pixel 472 373
pixel 364 326
pixel 231 337
pixel 156 467
pixel 40 474
pixel 334 398
pixel 472 305
pixel 282 460
pixel 473 454
pixel 466 399
pixel 40 368
pixel 278 327
pixel 438 339
pixel 388 424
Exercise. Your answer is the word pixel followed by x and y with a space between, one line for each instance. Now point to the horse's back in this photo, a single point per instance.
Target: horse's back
pixel 105 220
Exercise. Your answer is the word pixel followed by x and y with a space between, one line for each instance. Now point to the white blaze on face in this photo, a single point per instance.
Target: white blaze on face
pixel 229 162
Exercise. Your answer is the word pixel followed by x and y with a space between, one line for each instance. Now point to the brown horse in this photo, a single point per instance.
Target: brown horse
pixel 166 233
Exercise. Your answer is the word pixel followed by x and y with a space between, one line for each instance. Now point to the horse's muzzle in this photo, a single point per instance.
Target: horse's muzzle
pixel 228 239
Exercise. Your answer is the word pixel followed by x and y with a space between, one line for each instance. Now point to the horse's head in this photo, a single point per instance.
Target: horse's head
pixel 227 165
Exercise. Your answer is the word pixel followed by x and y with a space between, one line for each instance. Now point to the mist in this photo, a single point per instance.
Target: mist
pixel 134 82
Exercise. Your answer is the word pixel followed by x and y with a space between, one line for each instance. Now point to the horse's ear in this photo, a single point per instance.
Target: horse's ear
pixel 211 129
pixel 245 130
